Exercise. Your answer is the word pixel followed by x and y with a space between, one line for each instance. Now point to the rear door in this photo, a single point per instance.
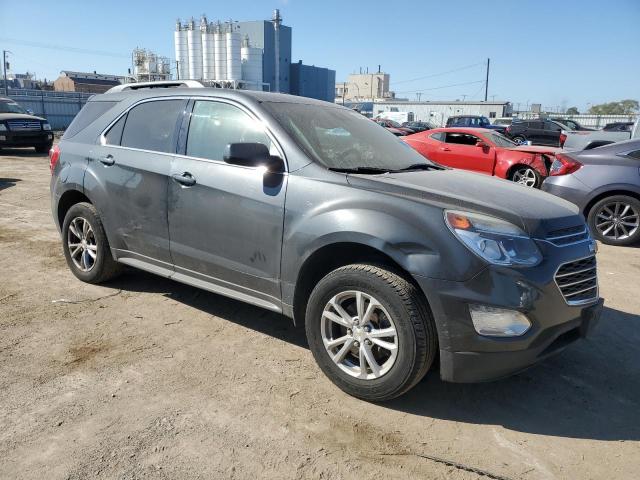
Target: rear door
pixel 534 131
pixel 226 227
pixel 127 177
pixel 551 133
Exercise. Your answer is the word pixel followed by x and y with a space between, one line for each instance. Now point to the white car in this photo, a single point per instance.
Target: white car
pixel 586 139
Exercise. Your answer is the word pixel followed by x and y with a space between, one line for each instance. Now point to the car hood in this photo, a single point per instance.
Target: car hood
pixel 536 149
pixel 19 116
pixel 538 213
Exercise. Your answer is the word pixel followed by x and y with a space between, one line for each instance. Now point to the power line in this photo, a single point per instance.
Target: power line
pixel 441 87
pixel 63 48
pixel 438 74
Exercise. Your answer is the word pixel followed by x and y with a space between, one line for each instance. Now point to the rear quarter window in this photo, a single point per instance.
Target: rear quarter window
pixel 86 116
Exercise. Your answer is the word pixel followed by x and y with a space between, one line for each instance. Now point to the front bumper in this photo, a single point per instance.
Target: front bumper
pixel 26 139
pixel 466 356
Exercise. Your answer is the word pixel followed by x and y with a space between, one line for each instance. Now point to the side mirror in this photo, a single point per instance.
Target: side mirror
pixel 481 144
pixel 252 155
pixel 29 111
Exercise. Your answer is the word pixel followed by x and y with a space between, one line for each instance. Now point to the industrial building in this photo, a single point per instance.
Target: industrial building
pixel 150 67
pixel 364 87
pixel 85 82
pixel 254 55
pixel 438 112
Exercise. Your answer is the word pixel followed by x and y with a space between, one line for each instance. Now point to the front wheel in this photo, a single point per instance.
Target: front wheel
pixel 370 331
pixel 527 176
pixel 615 220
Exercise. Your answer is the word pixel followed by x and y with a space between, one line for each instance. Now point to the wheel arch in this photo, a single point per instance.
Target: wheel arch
pixel 335 255
pixel 67 200
pixel 609 193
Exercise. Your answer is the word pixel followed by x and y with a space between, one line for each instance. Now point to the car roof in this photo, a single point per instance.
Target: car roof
pixel 470 131
pixel 229 93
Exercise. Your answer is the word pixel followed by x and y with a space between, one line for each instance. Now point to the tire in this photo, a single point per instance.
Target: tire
pixel 526 175
pixel 400 307
pixel 43 148
pixel 103 267
pixel 603 215
pixel 519 139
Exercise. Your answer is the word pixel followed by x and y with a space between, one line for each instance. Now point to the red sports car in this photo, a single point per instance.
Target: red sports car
pixel 485 151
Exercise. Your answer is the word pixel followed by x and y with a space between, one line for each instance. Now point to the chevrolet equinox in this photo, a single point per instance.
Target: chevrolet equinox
pixel 392 263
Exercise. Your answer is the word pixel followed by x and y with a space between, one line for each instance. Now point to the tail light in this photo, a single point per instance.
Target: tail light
pixel 563 138
pixel 563 165
pixel 54 156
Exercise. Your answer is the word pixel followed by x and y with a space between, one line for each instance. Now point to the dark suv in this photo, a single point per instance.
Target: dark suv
pixel 18 128
pixel 538 132
pixel 473 121
pixel 309 209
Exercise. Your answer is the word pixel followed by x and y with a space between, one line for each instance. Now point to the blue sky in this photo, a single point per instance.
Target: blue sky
pixel 554 52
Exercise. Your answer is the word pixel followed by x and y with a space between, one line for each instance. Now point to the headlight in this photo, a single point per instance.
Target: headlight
pixel 494 240
pixel 46 126
pixel 3 127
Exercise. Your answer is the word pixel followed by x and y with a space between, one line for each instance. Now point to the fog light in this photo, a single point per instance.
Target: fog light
pixel 498 322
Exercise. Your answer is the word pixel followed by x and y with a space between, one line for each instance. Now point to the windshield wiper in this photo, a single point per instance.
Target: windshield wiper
pixel 421 166
pixel 363 170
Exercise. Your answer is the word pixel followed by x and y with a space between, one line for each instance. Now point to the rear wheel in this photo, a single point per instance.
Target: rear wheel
pixel 370 331
pixel 615 220
pixel 85 245
pixel 519 140
pixel 527 176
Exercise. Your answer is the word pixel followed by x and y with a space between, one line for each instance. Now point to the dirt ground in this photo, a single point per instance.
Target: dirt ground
pixel 147 378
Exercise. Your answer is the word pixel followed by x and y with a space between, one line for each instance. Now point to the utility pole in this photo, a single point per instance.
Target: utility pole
pixel 177 69
pixel 4 72
pixel 486 83
pixel 418 94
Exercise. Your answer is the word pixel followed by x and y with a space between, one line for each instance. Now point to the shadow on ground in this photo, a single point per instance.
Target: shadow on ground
pixel 8 182
pixel 21 152
pixel 590 391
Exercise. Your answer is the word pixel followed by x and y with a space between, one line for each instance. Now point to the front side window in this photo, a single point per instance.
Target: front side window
pixel 152 126
pixel 214 125
pixel 461 139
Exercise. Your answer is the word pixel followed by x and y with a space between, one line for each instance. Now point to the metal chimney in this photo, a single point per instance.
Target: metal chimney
pixel 277 20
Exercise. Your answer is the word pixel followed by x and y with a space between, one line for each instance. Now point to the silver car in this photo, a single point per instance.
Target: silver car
pixel 605 184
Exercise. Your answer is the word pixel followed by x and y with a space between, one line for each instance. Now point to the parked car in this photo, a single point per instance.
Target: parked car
pixel 598 138
pixel 605 184
pixel 19 128
pixel 618 127
pixel 484 151
pixel 307 208
pixel 473 121
pixel 572 124
pixel 538 132
pixel 394 126
pixel 503 122
pixel 419 126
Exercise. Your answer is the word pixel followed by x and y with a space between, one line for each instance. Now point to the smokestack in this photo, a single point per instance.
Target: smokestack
pixel 277 20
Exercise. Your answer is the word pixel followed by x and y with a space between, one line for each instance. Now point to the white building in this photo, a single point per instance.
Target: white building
pixel 438 112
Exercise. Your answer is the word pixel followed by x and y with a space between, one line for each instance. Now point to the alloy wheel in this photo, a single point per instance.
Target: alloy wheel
pixel 81 241
pixel 525 176
pixel 617 220
pixel 359 335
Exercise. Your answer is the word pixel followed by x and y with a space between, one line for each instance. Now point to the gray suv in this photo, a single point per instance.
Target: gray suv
pixel 306 208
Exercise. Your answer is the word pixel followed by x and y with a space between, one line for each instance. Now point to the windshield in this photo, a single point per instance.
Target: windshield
pixel 343 139
pixel 11 107
pixel 500 140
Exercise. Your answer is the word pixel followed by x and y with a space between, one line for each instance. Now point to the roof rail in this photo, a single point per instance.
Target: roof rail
pixel 163 84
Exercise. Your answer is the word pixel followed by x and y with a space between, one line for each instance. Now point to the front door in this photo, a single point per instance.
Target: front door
pixel 459 150
pixel 226 221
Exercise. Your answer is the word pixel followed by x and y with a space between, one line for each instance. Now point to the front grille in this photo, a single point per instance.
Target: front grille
pixel 578 281
pixel 567 236
pixel 24 125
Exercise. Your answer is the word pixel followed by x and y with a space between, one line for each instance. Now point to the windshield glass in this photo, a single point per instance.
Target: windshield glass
pixel 11 107
pixel 340 138
pixel 500 140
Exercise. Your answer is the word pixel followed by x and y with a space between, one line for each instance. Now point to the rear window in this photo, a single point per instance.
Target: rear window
pixel 87 115
pixel 152 126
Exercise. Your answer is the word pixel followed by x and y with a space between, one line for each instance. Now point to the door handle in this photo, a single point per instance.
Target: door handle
pixel 445 149
pixel 107 160
pixel 185 179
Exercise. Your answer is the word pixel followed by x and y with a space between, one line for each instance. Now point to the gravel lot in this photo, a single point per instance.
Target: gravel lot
pixel 147 378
